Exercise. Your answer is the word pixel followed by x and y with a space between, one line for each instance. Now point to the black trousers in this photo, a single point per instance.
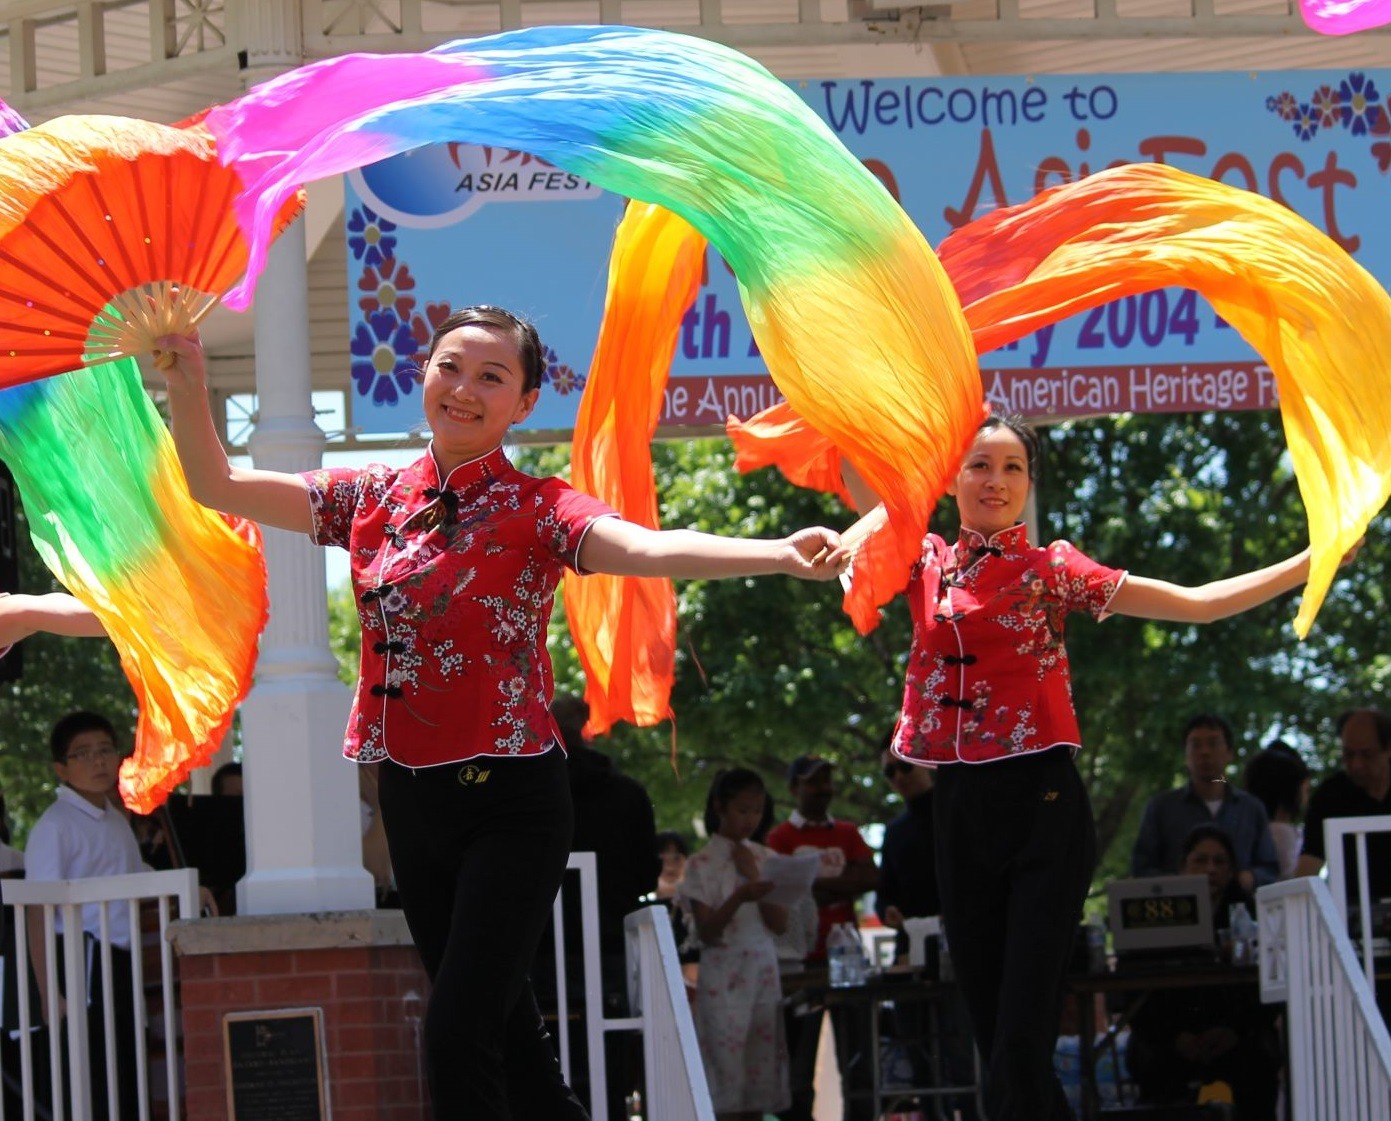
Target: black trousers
pixel 124 1037
pixel 1016 848
pixel 479 851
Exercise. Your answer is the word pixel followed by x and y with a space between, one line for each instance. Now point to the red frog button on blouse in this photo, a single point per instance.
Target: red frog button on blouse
pixel 988 676
pixel 478 557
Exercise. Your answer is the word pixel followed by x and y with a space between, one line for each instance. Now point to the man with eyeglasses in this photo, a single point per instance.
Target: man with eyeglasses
pixel 84 834
pixel 1361 789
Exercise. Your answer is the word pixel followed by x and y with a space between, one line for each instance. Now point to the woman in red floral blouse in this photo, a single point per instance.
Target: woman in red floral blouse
pixel 455 560
pixel 988 702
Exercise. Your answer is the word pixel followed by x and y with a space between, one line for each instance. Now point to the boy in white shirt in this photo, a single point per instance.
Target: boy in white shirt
pixel 86 833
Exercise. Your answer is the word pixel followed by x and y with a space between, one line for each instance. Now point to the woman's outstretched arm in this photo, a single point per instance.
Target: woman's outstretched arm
pixel 626 549
pixel 276 498
pixel 52 612
pixel 1158 599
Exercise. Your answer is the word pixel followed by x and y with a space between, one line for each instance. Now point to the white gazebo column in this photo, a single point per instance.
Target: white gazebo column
pixel 303 832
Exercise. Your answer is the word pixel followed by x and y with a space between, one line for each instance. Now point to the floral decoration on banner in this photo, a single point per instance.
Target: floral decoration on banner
pixel 1354 104
pixel 560 377
pixel 390 342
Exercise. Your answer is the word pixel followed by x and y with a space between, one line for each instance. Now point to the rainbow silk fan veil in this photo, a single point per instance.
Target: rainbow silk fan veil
pixel 869 335
pixel 1345 17
pixel 848 304
pixel 112 232
pixel 871 342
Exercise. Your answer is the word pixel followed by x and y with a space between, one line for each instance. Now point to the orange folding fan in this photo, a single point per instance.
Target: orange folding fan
pixel 113 231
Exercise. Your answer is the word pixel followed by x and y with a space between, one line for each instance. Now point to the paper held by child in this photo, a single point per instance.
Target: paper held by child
pixel 792 876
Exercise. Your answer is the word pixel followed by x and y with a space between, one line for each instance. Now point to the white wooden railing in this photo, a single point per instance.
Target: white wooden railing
pixel 69 897
pixel 1340 1050
pixel 674 1074
pixel 1335 829
pixel 674 1086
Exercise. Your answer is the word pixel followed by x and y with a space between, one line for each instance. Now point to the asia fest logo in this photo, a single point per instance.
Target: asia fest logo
pixel 1354 105
pixel 390 339
pixel 440 184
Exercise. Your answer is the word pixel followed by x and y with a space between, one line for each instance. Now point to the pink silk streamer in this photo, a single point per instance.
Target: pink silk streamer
pixel 1345 17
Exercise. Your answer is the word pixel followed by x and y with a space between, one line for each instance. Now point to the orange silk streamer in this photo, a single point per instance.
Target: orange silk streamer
pixel 1319 319
pixel 624 627
pixel 778 437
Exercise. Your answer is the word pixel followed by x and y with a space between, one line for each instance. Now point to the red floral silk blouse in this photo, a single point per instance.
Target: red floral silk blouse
pixel 987 675
pixel 454 589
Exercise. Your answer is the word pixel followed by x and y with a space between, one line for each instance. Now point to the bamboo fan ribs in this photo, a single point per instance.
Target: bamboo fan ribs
pixel 113 232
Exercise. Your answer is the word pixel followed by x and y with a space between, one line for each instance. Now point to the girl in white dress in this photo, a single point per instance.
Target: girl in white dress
pixel 739 1003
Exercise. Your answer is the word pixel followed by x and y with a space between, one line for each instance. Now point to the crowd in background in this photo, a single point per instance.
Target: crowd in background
pixel 738 950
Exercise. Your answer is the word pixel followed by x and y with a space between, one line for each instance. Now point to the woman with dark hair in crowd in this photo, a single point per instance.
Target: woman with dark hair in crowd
pixel 1280 779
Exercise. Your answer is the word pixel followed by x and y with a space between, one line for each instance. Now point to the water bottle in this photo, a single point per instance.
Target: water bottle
pixel 1096 948
pixel 856 964
pixel 1244 935
pixel 837 957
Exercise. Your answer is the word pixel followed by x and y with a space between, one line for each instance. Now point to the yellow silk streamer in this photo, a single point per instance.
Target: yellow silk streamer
pixel 1319 319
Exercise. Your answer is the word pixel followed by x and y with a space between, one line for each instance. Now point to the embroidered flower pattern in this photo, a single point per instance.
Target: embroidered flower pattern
pixel 988 652
pixel 447 641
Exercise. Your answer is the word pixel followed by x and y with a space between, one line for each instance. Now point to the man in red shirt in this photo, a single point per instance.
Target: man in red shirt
pixel 847 872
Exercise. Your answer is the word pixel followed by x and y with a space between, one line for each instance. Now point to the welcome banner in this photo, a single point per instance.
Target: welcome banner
pixel 455 224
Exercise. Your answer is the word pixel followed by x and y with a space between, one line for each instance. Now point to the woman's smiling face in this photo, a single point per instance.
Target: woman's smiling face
pixel 992 486
pixel 473 393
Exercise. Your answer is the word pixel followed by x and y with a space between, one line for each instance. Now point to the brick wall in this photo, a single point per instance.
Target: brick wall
pixel 370 987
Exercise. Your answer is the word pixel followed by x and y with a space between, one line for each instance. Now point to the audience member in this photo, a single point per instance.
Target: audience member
pixel 739 1018
pixel 907 871
pixel 11 859
pixel 1280 779
pixel 847 872
pixel 84 834
pixel 1206 798
pixel 672 850
pixel 11 867
pixel 1362 788
pixel 206 832
pixel 1184 1039
pixel 227 781
pixel 614 820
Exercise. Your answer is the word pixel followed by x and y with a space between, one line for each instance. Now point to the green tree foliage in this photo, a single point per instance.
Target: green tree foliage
pixel 60 674
pixel 1191 499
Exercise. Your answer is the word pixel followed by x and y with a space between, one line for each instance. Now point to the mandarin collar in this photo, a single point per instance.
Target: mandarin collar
pixel 484 467
pixel 1011 541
